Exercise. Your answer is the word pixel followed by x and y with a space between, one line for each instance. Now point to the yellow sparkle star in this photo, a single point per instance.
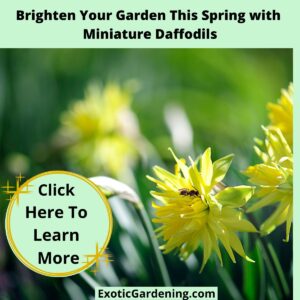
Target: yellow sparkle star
pixel 8 190
pixel 20 177
pixel 16 190
pixel 97 257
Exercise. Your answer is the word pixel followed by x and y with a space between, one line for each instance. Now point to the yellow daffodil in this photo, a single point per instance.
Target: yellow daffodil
pixel 99 131
pixel 274 180
pixel 281 114
pixel 194 212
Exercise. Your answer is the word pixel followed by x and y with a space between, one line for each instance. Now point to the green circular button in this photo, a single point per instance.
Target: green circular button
pixel 58 223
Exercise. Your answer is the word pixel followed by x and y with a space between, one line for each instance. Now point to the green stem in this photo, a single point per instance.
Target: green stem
pixel 270 268
pixel 153 242
pixel 262 272
pixel 280 272
pixel 272 263
pixel 229 283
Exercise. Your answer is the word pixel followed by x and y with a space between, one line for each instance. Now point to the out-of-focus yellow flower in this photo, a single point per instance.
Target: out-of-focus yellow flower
pixel 193 212
pixel 274 179
pixel 281 114
pixel 100 131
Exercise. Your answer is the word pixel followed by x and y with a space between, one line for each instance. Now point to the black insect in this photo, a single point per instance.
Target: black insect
pixel 186 192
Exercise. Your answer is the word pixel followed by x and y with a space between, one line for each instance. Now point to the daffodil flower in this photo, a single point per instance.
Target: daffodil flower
pixel 100 131
pixel 274 180
pixel 193 213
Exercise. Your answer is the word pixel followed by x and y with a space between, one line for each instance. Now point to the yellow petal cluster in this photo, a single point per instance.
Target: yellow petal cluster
pixel 274 180
pixel 194 212
pixel 281 114
pixel 95 131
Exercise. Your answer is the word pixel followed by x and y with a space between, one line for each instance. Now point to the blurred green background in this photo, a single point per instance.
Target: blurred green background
pixel 218 98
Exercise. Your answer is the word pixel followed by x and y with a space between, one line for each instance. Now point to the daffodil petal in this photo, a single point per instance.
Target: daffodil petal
pixel 265 201
pixel 183 167
pixel 235 196
pixel 241 225
pixel 215 245
pixel 207 247
pixel 236 244
pixel 220 168
pixel 221 233
pixel 276 219
pixel 160 184
pixel 168 177
pixel 289 222
pixel 206 167
pixel 263 156
pixel 262 174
